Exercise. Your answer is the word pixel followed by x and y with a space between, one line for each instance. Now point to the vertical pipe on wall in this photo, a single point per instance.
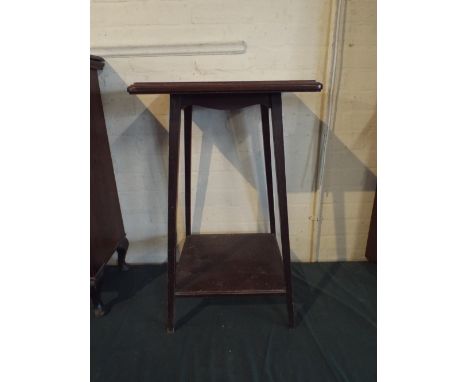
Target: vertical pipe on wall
pixel 334 82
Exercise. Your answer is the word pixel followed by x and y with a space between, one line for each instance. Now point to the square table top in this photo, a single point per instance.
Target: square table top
pixel 224 87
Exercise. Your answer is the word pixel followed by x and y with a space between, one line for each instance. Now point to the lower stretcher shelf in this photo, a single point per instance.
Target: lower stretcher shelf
pixel 230 264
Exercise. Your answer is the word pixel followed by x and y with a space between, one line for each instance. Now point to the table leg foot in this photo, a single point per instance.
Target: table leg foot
pixel 121 254
pixel 98 306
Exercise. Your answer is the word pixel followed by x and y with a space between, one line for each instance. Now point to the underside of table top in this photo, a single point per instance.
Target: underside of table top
pixel 224 87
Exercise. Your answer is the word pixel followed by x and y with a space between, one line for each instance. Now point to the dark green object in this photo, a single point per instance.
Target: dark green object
pixel 239 338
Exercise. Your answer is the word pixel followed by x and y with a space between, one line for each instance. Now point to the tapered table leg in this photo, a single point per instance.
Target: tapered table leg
pixel 267 153
pixel 174 136
pixel 278 142
pixel 188 167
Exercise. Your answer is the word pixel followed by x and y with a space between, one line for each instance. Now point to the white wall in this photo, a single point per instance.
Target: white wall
pixel 351 166
pixel 284 40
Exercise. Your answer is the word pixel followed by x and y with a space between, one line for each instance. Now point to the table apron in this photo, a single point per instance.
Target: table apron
pixel 224 101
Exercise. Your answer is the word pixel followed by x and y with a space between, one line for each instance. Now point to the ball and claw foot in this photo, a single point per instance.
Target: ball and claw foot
pixel 98 306
pixel 99 311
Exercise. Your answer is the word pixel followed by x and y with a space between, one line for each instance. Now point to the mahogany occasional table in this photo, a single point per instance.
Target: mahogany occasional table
pixel 227 264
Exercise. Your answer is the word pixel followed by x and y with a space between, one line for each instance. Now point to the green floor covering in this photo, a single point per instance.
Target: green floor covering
pixel 239 338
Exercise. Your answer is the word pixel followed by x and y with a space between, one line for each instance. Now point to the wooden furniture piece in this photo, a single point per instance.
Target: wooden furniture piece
pixel 371 248
pixel 227 264
pixel 107 230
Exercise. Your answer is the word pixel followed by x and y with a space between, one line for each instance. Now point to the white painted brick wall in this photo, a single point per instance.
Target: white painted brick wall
pixel 285 40
pixel 350 177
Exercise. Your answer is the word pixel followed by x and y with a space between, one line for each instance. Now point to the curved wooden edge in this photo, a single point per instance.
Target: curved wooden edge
pixel 97 62
pixel 224 87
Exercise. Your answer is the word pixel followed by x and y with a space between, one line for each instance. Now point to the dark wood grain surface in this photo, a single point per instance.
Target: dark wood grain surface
pixel 227 264
pixel 371 248
pixel 107 230
pixel 97 62
pixel 230 264
pixel 224 87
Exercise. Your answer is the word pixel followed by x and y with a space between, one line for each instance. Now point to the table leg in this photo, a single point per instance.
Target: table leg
pixel 98 306
pixel 188 167
pixel 121 254
pixel 267 153
pixel 278 142
pixel 174 140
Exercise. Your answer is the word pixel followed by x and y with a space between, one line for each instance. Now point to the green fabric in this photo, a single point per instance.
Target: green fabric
pixel 239 338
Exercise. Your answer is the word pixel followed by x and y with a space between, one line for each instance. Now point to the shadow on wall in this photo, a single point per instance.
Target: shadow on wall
pixel 345 173
pixel 237 135
pixel 139 147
